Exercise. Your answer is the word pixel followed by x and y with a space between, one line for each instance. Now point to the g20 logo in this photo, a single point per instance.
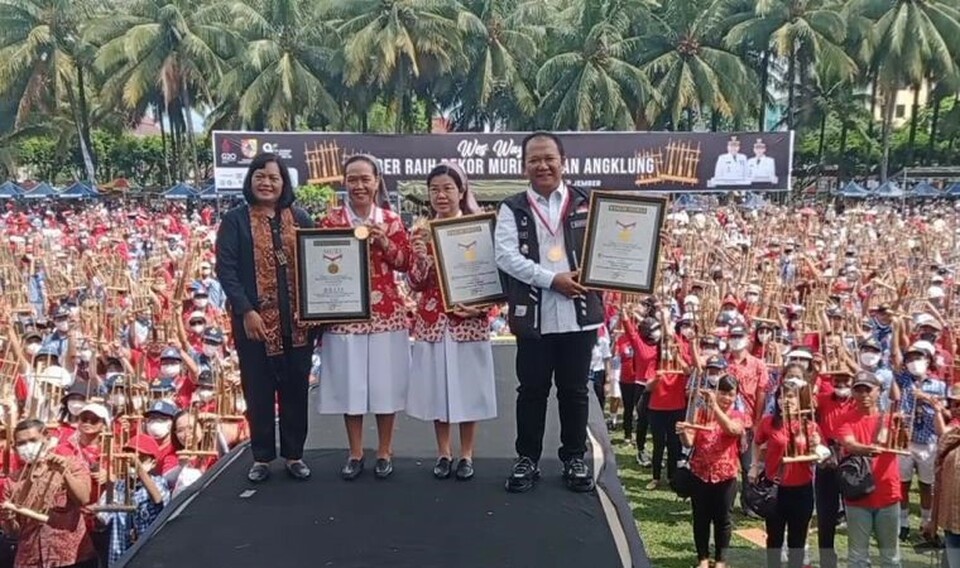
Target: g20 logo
pixel 228 157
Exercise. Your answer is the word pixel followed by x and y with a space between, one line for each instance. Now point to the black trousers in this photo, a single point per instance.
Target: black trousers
pixel 792 516
pixel 599 379
pixel 636 401
pixel 269 382
pixel 663 423
pixel 827 485
pixel 564 359
pixel 712 505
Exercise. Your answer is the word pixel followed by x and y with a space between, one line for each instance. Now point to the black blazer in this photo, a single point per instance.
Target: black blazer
pixel 235 268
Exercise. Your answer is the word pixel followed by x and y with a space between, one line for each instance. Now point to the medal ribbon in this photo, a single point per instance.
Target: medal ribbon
pixel 542 218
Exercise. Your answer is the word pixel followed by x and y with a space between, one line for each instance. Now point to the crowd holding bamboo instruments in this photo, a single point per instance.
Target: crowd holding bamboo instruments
pixel 778 344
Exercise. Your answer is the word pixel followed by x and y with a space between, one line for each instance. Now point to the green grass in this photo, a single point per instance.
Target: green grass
pixel 664 522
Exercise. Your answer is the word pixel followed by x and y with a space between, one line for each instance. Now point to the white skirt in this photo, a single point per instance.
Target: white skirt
pixel 452 382
pixel 363 374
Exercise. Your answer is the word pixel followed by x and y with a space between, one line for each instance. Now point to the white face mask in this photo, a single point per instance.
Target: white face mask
pixel 655 335
pixel 211 350
pixel 201 302
pixel 32 349
pixel 86 355
pixel 198 329
pixel 118 400
pixel 917 368
pixel 869 359
pixel 205 395
pixel 730 313
pixel 752 298
pixel 159 428
pixel 170 371
pixel 30 451
pixel 63 326
pixel 738 344
pixel 74 310
pixel 843 392
pixel 75 406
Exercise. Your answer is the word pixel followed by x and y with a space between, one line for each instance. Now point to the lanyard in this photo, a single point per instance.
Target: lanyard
pixel 543 220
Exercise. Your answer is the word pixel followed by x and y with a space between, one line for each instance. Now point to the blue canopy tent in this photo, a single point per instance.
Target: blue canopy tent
pixel 41 191
pixel 924 190
pixel 853 190
pixel 953 191
pixel 79 190
pixel 10 190
pixel 753 202
pixel 180 191
pixel 687 202
pixel 888 190
pixel 209 192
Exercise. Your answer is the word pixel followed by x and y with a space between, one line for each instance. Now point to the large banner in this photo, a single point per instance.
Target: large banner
pixel 653 161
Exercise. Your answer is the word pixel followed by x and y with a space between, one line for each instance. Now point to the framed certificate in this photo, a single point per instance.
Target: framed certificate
pixel 466 262
pixel 333 276
pixel 622 242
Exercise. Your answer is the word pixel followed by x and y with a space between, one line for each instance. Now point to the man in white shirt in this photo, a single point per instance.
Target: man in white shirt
pixel 539 237
pixel 731 168
pixel 761 168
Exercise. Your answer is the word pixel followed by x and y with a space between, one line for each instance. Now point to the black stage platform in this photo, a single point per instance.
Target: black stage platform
pixel 408 521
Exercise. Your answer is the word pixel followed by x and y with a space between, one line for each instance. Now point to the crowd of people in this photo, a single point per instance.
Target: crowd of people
pixel 780 350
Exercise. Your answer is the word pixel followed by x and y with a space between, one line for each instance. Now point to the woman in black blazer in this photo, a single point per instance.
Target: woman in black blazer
pixel 255 252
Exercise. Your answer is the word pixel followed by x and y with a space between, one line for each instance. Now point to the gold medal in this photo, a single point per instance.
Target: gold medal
pixel 555 254
pixel 333 268
pixel 361 232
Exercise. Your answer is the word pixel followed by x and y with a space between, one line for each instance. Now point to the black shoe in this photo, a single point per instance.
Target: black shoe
pixel 577 476
pixel 383 468
pixel 464 469
pixel 442 469
pixel 259 472
pixel 352 470
pixel 904 534
pixel 298 470
pixel 524 475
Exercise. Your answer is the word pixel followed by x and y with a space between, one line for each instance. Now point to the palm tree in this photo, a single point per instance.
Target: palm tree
pixel 592 82
pixel 281 70
pixel 689 67
pixel 398 46
pixel 911 40
pixel 168 48
pixel 801 32
pixel 502 46
pixel 42 63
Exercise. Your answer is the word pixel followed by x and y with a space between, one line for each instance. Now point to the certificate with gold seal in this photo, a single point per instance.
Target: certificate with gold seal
pixel 332 276
pixel 466 261
pixel 622 242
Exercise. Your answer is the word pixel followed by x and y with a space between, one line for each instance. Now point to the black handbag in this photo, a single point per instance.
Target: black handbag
pixel 855 474
pixel 761 495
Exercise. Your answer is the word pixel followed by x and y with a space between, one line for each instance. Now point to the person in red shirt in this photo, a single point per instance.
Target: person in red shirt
pixel 715 465
pixel 878 514
pixel 794 509
pixel 159 426
pixel 833 401
pixel 668 401
pixel 753 380
pixel 646 358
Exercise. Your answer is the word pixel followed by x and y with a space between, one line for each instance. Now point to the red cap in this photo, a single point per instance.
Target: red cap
pixel 143 444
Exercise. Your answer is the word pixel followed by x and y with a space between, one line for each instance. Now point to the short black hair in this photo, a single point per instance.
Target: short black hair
pixel 259 162
pixel 727 383
pixel 445 170
pixel 540 134
pixel 30 424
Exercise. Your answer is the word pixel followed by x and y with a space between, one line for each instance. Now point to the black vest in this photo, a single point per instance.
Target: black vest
pixel 524 299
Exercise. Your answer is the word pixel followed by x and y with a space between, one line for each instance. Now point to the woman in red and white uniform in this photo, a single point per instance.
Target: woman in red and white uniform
pixel 366 365
pixel 451 378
